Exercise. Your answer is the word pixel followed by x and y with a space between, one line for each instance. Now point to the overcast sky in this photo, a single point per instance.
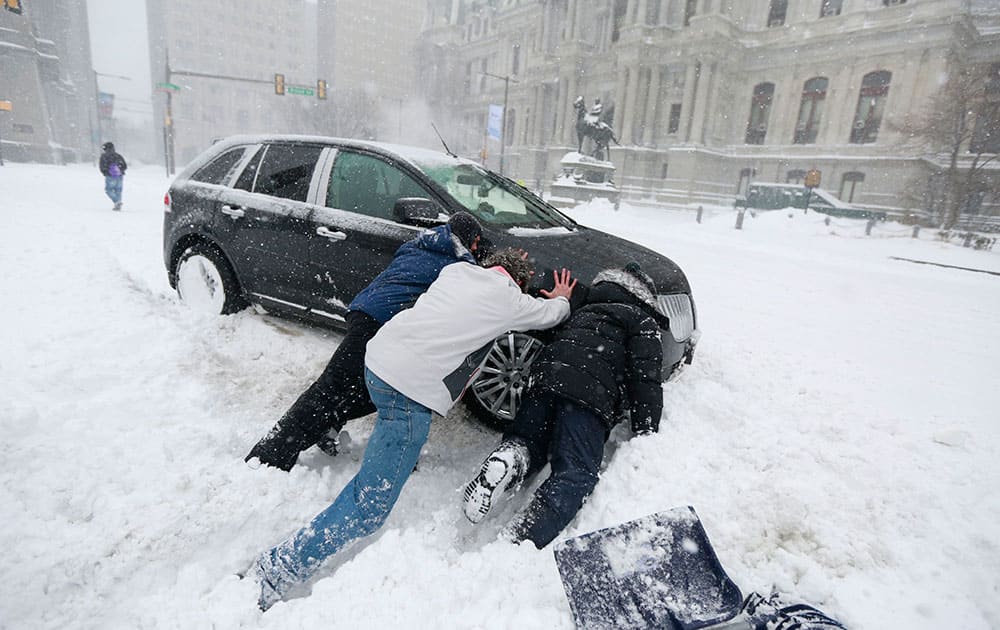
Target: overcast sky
pixel 118 46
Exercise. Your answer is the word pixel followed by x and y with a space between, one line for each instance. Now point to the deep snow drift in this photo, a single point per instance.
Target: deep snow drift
pixel 837 433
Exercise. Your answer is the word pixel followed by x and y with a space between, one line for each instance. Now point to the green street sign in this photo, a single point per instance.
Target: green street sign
pixel 173 87
pixel 291 89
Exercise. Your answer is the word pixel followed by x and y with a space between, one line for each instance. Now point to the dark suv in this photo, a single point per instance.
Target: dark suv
pixel 297 225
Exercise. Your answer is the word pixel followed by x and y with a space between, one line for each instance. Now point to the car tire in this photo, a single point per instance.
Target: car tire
pixel 495 395
pixel 207 282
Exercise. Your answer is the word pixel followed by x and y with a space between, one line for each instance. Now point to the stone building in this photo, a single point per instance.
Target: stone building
pixel 45 73
pixel 709 94
pixel 223 57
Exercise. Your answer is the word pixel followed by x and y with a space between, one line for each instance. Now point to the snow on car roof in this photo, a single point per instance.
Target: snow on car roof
pixel 416 155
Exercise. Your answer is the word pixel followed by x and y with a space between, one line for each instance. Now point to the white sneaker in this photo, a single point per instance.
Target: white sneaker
pixel 502 470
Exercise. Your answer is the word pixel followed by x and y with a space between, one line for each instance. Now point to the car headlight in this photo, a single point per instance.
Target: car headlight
pixel 677 307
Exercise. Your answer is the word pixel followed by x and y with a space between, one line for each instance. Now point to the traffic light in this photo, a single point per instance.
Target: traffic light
pixel 279 84
pixel 13 6
pixel 321 89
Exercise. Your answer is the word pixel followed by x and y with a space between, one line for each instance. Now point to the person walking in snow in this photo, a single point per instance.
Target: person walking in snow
pixel 419 362
pixel 339 394
pixel 605 359
pixel 113 167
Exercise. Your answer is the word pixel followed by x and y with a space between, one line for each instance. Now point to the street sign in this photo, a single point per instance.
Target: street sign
pixel 291 89
pixel 171 87
pixel 812 178
pixel 6 106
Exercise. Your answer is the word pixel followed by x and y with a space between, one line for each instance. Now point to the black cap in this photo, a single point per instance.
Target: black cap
pixel 465 227
pixel 108 146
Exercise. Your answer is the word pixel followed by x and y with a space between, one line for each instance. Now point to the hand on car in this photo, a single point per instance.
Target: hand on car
pixel 563 287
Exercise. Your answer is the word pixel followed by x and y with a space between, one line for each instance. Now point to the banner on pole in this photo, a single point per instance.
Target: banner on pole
pixel 105 104
pixel 494 124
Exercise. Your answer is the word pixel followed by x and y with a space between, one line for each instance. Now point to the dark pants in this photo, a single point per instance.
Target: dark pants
pixel 338 395
pixel 570 438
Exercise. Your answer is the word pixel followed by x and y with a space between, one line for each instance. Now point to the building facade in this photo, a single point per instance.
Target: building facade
pixel 214 65
pixel 46 75
pixel 709 95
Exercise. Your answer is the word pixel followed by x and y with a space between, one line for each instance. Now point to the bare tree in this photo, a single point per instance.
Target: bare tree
pixel 962 120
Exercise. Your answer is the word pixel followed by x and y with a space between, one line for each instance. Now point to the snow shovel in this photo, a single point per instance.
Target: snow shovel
pixel 661 572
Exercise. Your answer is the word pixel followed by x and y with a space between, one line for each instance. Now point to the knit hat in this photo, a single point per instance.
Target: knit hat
pixel 634 269
pixel 465 227
pixel 633 279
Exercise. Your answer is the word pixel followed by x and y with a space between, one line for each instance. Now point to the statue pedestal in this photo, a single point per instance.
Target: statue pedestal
pixel 583 179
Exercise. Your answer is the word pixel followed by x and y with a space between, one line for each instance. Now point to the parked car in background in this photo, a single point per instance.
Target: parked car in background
pixel 297 225
pixel 766 196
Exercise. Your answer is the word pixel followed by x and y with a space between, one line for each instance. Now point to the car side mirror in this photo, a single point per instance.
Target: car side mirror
pixel 418 211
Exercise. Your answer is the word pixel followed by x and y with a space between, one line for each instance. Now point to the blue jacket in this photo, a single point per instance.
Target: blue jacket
pixel 414 267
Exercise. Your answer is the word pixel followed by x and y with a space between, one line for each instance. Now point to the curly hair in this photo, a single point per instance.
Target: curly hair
pixel 512 260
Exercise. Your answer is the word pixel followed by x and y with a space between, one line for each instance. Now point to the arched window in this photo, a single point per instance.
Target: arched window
pixel 810 110
pixel 760 110
pixel 850 185
pixel 871 104
pixel 795 176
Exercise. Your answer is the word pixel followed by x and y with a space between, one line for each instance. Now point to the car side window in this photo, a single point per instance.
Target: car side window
pixel 286 171
pixel 219 170
pixel 367 185
pixel 246 179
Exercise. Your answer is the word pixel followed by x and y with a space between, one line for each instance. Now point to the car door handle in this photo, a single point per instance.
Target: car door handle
pixel 233 211
pixel 330 234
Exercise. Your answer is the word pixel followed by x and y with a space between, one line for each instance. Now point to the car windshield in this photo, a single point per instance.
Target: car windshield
pixel 494 200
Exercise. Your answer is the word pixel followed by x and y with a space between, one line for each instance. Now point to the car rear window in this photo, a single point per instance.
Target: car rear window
pixel 287 170
pixel 219 170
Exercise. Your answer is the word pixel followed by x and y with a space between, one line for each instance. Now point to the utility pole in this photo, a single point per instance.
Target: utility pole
pixel 503 119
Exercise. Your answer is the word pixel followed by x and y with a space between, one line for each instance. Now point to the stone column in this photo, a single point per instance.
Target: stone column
pixel 841 101
pixel 569 121
pixel 640 12
pixel 700 104
pixel 653 106
pixel 711 103
pixel 620 92
pixel 688 102
pixel 631 104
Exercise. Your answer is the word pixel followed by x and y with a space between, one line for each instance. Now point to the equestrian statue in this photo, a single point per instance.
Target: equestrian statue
pixel 595 125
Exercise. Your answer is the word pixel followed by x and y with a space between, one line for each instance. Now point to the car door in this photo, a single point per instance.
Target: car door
pixel 268 219
pixel 354 234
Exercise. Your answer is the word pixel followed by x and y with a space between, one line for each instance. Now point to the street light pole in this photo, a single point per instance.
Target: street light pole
pixel 503 119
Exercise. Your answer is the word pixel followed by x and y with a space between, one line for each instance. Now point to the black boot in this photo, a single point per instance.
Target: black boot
pixel 281 446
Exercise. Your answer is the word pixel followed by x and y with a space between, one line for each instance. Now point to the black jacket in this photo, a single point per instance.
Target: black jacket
pixel 607 357
pixel 110 157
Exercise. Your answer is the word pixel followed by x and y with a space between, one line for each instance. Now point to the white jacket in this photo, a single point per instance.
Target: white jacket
pixel 424 351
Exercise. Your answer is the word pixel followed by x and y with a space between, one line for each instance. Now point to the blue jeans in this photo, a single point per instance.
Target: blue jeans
pixel 362 507
pixel 113 188
pixel 571 438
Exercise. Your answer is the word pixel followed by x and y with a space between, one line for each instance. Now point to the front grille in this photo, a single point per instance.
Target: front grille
pixel 678 308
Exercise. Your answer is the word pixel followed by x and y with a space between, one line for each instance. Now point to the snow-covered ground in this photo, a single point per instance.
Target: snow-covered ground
pixel 838 433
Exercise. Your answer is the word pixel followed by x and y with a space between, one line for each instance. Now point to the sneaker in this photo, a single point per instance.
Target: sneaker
pixel 118 206
pixel 502 470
